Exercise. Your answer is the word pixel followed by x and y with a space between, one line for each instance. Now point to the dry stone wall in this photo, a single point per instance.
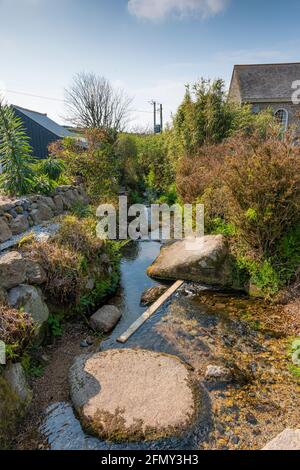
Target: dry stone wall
pixel 18 215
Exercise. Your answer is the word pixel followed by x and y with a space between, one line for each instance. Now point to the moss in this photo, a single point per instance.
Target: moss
pixel 11 410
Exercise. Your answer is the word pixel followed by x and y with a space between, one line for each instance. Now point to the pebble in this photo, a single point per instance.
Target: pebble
pixel 251 418
pixel 84 344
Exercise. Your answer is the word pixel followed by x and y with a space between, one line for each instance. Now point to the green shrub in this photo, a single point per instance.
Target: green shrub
pixel 81 210
pixel 52 168
pixel 55 325
pixel 41 184
pixel 15 154
pixel 261 274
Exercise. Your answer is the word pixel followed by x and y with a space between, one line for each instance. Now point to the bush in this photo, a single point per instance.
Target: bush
pixel 95 164
pixel 15 154
pixel 63 267
pixel 71 259
pixel 52 168
pixel 16 331
pixel 79 236
pixel 263 182
pixel 41 184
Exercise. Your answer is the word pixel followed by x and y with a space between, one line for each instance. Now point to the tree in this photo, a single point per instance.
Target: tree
pixel 92 102
pixel 15 153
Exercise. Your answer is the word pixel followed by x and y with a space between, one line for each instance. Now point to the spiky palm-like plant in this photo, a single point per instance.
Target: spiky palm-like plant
pixel 15 153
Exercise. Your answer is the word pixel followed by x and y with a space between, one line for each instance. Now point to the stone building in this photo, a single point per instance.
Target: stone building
pixel 273 86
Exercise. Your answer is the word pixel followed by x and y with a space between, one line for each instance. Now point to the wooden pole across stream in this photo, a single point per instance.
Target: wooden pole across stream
pixel 148 313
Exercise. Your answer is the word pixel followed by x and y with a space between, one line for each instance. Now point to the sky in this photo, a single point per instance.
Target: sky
pixel 149 48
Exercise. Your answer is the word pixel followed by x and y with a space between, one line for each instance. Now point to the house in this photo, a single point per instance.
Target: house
pixel 268 86
pixel 40 129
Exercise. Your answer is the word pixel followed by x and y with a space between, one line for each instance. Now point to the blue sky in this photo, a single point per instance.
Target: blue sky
pixel 151 48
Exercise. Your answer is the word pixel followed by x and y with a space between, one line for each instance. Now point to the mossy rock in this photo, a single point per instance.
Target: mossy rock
pixel 11 410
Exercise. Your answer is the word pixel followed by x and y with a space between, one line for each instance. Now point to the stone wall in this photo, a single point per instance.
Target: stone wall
pixel 18 215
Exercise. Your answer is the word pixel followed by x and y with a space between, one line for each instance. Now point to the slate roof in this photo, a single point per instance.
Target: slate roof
pixel 44 121
pixel 266 81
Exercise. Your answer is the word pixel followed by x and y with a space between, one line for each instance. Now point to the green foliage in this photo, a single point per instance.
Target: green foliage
pixel 55 325
pixel 32 368
pixel 294 353
pixel 287 257
pixel 169 197
pixel 262 274
pixel 155 166
pixel 15 154
pixel 219 227
pixel 41 184
pixel 81 210
pixel 52 168
pixel 96 164
pixel 127 156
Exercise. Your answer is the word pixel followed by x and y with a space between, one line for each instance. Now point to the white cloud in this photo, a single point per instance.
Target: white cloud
pixel 160 9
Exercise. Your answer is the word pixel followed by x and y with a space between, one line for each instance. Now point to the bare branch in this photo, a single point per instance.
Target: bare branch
pixel 92 102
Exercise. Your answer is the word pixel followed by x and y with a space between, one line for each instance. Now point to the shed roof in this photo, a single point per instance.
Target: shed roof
pixel 266 81
pixel 44 121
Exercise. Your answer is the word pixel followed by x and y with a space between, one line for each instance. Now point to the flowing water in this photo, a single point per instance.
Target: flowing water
pixel 202 328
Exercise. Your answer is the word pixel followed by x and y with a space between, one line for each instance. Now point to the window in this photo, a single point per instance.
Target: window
pixel 282 117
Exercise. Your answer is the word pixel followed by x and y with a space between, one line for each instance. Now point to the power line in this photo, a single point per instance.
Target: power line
pixel 35 96
pixel 32 95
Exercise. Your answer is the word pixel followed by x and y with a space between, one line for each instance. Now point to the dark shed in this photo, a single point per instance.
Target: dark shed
pixel 40 129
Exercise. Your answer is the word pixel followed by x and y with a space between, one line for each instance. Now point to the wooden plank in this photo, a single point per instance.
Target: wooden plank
pixel 148 313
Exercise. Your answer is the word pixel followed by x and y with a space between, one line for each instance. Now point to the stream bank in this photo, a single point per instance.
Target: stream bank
pixel 202 328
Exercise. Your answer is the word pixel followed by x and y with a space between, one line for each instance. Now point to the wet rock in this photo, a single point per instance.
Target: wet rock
pixel 132 394
pixel 5 231
pixel 15 376
pixel 30 299
pixel 289 439
pixel 12 270
pixel 204 260
pixel 105 319
pixel 216 373
pixel 152 294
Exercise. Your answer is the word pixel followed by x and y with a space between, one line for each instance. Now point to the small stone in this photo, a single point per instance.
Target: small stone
pixel 235 440
pixel 105 319
pixel 218 373
pixel 149 296
pixel 250 418
pixel 84 344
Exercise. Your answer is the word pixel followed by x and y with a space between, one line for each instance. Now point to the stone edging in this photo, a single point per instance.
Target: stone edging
pixel 18 215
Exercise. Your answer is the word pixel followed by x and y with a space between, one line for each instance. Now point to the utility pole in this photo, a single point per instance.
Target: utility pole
pixel 154 115
pixel 157 127
pixel 161 117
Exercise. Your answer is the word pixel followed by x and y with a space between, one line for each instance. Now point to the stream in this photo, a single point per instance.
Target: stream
pixel 202 327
